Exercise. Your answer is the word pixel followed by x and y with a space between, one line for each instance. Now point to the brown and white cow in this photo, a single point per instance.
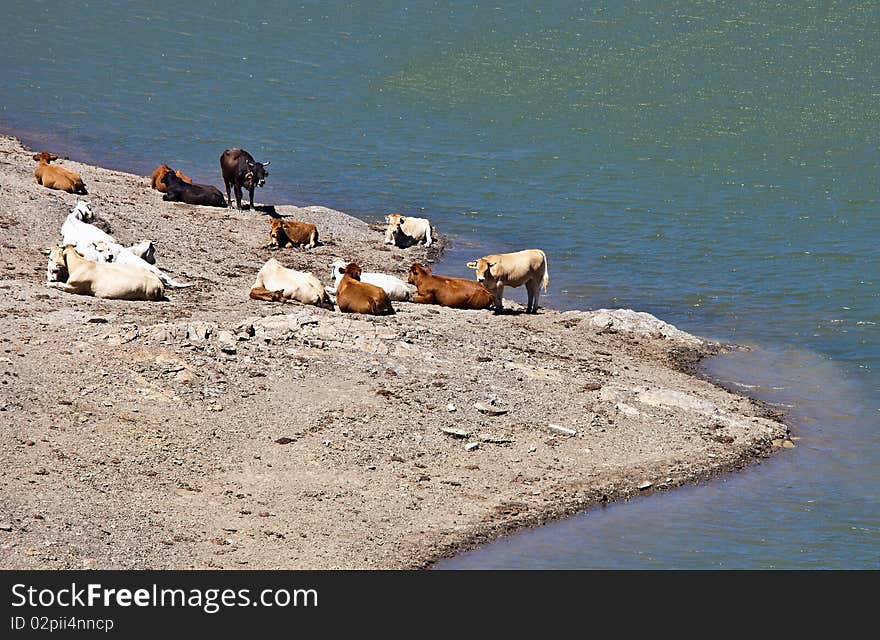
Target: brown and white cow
pixel 290 233
pixel 55 177
pixel 458 293
pixel 354 296
pixel 501 270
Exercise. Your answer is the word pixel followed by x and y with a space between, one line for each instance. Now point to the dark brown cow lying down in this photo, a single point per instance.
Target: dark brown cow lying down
pixel 290 233
pixel 176 190
pixel 157 178
pixel 458 293
pixel 354 296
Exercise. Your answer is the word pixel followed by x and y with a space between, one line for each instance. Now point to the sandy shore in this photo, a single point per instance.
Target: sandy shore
pixel 129 438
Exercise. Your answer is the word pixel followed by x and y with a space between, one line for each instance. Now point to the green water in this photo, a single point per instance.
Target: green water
pixel 714 163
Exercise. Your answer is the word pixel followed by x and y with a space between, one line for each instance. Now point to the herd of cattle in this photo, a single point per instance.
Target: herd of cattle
pixel 89 261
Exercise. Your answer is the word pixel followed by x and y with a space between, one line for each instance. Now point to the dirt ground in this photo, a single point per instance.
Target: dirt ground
pixel 212 430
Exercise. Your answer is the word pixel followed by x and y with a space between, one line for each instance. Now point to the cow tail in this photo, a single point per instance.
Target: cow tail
pixel 546 279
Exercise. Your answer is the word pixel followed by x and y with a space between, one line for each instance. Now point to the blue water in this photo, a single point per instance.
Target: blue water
pixel 714 163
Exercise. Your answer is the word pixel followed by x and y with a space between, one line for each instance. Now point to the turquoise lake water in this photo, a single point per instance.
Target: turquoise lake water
pixel 716 164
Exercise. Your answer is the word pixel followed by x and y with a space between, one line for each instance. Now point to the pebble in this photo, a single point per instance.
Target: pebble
pixel 470 446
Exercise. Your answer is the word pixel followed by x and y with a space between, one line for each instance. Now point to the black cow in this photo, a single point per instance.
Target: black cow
pixel 241 170
pixel 176 190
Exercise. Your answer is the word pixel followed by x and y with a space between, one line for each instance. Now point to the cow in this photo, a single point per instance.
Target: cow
pixel 117 254
pixel 501 270
pixel 394 287
pixel 276 283
pixel 239 170
pixel 458 293
pixel 55 177
pixel 354 296
pixel 81 234
pixel 176 190
pixel 157 178
pixel 404 231
pixel 289 233
pixel 76 230
pixel 103 280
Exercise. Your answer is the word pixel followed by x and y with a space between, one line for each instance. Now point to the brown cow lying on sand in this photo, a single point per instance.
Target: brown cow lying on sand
pixel 157 178
pixel 290 233
pixel 499 270
pixel 354 296
pixel 458 293
pixel 55 177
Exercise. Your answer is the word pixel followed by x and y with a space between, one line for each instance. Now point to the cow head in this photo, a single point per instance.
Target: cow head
pixel 337 270
pixel 484 271
pixel 44 156
pixel 394 221
pixel 276 232
pixel 256 174
pixel 353 270
pixel 83 212
pixel 56 270
pixel 416 272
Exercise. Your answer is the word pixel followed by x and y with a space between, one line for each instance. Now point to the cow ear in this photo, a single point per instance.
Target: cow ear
pixel 471 265
pixel 402 219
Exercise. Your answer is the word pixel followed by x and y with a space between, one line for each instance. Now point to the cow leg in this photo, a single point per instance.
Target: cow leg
pixel 534 289
pixel 251 194
pixel 426 299
pixel 228 195
pixel 499 296
pixel 237 189
pixel 261 293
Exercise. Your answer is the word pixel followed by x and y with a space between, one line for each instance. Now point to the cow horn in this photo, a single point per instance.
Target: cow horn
pixel 265 164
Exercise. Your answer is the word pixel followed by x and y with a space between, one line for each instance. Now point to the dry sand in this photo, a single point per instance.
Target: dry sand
pixel 130 439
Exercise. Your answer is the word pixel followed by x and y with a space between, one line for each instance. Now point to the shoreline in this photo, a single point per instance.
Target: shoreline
pixel 205 422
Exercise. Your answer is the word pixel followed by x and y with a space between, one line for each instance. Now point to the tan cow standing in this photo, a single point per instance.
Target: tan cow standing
pixel 501 270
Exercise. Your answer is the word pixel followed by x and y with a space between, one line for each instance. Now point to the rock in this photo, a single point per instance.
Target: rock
pixel 645 485
pixel 558 428
pixel 489 410
pixel 5 526
pixel 636 322
pixel 226 342
pixel 788 444
pixel 484 437
pixel 185 376
pixel 458 433
pixel 199 331
pixel 676 399
pixel 450 407
pixel 284 440
pixel 470 446
pixel 626 409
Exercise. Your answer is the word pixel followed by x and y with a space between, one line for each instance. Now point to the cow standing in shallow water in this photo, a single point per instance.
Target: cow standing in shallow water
pixel 239 170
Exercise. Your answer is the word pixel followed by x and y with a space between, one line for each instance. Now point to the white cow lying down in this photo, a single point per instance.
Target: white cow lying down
pixel 103 280
pixel 276 283
pixel 392 285
pixel 94 244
